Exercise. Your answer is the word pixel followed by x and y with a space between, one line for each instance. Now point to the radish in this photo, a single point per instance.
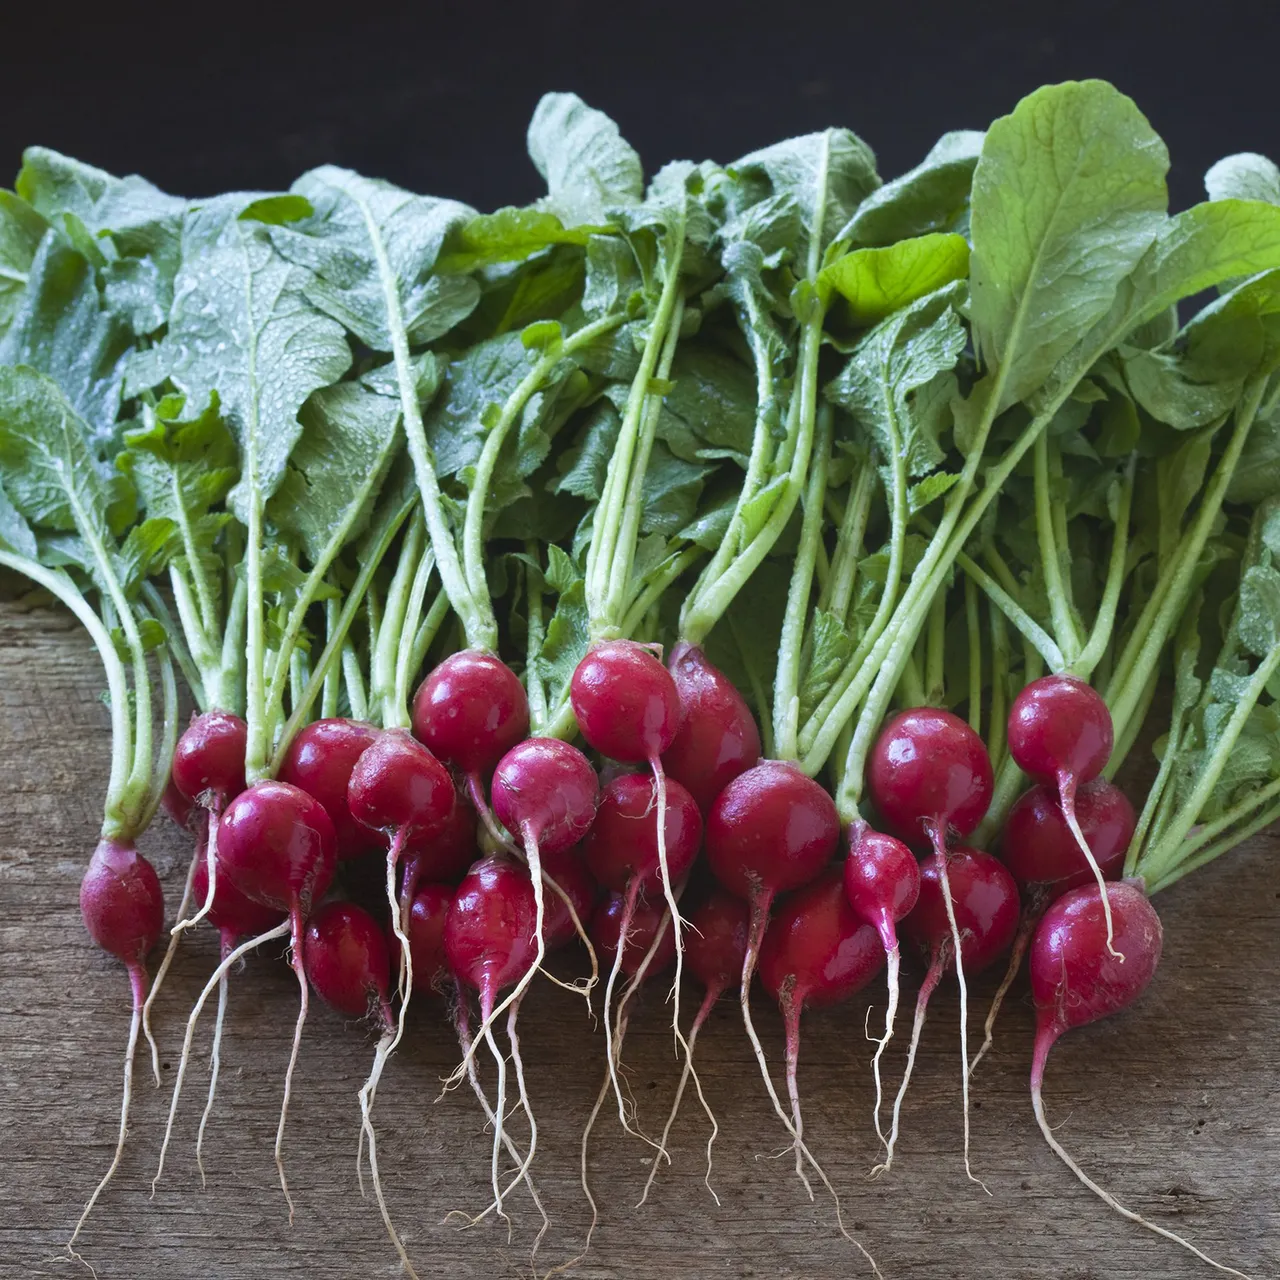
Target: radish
pixel 771 829
pixel 564 916
pixel 490 943
pixel 348 962
pixel 638 843
pixel 277 846
pixel 1040 850
pixel 235 917
pixel 1060 731
pixel 973 898
pixel 882 884
pixel 320 761
pixel 122 907
pixel 428 913
pixel 1077 978
pixel 628 708
pixel 929 775
pixel 444 855
pixel 817 950
pixel 716 948
pixel 470 711
pixel 718 737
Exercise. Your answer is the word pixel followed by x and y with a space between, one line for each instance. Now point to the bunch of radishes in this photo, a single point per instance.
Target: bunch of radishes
pixel 773 484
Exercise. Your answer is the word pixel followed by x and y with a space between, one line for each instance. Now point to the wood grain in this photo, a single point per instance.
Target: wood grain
pixel 1173 1106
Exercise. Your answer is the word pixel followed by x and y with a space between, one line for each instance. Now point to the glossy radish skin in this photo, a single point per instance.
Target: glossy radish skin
pixel 985 899
pixel 717 942
pixel 471 710
pixel 177 806
pixel 428 914
pixel 928 768
pixel 568 869
pixel 489 931
pixel 1060 725
pixel 770 830
pixel 446 854
pixel 545 788
pixel 348 962
pixel 122 904
pixel 278 846
pixel 397 785
pixel 718 738
pixel 623 842
pixel 642 927
pixel 881 881
pixel 209 758
pixel 232 914
pixel 625 701
pixel 320 761
pixel 1039 849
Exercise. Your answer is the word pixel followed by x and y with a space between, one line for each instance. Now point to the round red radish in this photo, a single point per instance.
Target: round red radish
pixel 320 761
pixel 625 701
pixel 121 903
pixel 985 899
pixel 929 768
pixel 176 805
pixel 277 845
pixel 471 710
pixel 443 855
pixel 428 914
pixel 209 758
pixel 770 830
pixel 718 738
pixel 232 914
pixel 347 960
pixel 1037 844
pixel 569 871
pixel 489 931
pixel 398 786
pixel 623 841
pixel 641 928
pixel 716 944
pixel 545 790
pixel 881 881
pixel 1060 725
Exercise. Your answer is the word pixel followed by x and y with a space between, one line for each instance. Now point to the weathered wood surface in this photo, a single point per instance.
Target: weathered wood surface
pixel 1173 1106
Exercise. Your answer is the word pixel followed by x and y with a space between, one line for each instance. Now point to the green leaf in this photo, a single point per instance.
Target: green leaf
pixel 671 491
pixel 21 229
pixel 931 197
pixel 149 547
pixel 509 235
pixel 877 282
pixel 15 533
pixel 1166 388
pixel 243 325
pixel 711 406
pixel 930 490
pixel 277 211
pixel 1179 479
pixel 1259 605
pixel 561 571
pixel 566 641
pixel 585 464
pixel 832 646
pixel 588 167
pixel 708 528
pixel 349 437
pixel 1247 176
pixel 1067 197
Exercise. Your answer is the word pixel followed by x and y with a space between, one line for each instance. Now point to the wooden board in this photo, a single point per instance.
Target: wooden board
pixel 1173 1106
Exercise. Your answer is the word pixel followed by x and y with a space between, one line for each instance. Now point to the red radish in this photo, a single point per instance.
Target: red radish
pixel 445 855
pixel 427 916
pixel 470 711
pixel 929 775
pixel 399 788
pixel 628 708
pixel 276 844
pixel 1077 979
pixel 176 805
pixel 629 855
pixel 569 872
pixel 349 964
pixel 643 926
pixel 208 770
pixel 1060 731
pixel 718 737
pixel 974 898
pixel 122 907
pixel 320 761
pixel 1040 850
pixel 491 942
pixel 235 917
pixel 715 950
pixel 817 950
pixel 882 884
pixel 770 830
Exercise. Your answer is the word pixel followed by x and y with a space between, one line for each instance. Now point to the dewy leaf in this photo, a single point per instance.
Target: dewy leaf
pixel 243 326
pixel 349 437
pixel 931 197
pixel 50 473
pixel 1259 623
pixel 508 235
pixel 588 166
pixel 1166 388
pixel 711 406
pixel 832 648
pixel 1247 176
pixel 335 245
pixel 1067 197
pixel 566 640
pixel 15 533
pixel 930 489
pixel 672 488
pixel 587 462
pixel 61 328
pixel 877 282
pixel 21 228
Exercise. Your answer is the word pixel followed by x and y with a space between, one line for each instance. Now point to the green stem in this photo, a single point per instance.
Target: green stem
pixel 756 680
pixel 909 693
pixel 999 685
pixel 406 667
pixel 1237 813
pixel 935 668
pixel 427 632
pixel 382 673
pixel 656 587
pixel 332 687
pixel 191 671
pixel 1027 626
pixel 536 634
pixel 849 545
pixel 975 655
pixel 1125 741
pixel 786 682
pixel 115 824
pixel 353 678
pixel 1064 627
pixel 168 737
pixel 1104 623
pixel 1207 855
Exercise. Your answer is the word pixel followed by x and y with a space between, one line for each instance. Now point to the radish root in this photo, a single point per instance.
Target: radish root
pixel 211 867
pixel 1025 930
pixel 1067 797
pixel 295 920
pixel 927 987
pixel 162 972
pixel 215 1061
pixel 893 957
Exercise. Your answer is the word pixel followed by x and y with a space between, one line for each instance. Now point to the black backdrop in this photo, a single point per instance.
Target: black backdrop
pixel 208 97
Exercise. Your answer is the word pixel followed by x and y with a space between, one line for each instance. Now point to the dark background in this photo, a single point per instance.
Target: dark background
pixel 436 97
